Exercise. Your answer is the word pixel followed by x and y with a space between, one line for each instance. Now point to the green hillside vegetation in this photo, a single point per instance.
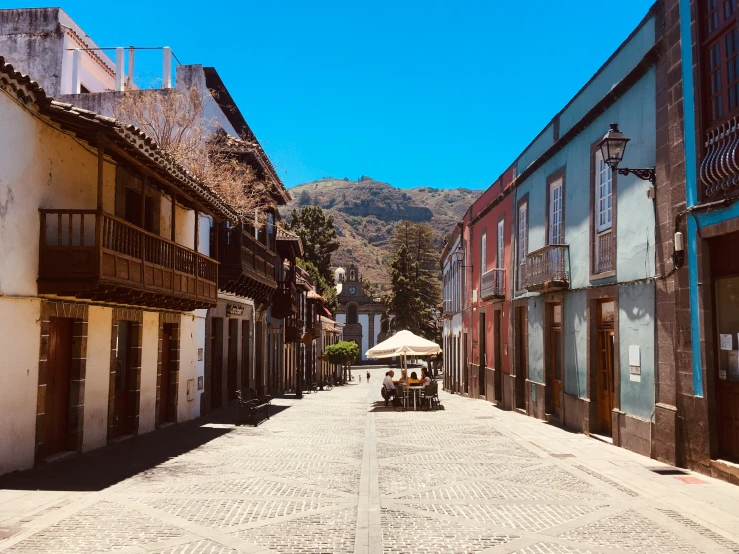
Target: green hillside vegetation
pixel 366 212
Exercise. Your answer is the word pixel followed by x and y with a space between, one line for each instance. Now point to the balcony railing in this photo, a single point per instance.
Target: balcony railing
pixel 285 300
pixel 546 269
pixel 493 284
pixel 604 252
pixel 95 255
pixel 719 170
pixel 247 265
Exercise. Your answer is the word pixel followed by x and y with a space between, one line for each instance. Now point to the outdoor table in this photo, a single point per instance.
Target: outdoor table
pixel 413 389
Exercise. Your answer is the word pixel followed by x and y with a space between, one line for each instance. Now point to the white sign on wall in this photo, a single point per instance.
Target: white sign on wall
pixel 726 342
pixel 635 363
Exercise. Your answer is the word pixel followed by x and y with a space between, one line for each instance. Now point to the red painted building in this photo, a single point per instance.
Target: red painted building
pixel 488 225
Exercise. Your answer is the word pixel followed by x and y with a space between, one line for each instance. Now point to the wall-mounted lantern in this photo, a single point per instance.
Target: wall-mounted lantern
pixel 459 257
pixel 612 147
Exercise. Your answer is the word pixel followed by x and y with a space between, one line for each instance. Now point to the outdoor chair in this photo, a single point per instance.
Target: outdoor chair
pixel 427 396
pixel 385 393
pixel 435 400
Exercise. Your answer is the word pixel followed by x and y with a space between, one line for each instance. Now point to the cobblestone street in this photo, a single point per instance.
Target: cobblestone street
pixel 336 472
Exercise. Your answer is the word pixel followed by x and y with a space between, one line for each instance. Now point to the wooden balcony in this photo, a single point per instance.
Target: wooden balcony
pixel 97 256
pixel 285 302
pixel 545 270
pixel 493 285
pixel 247 266
pixel 293 330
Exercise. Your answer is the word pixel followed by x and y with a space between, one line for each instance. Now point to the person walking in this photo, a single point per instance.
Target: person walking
pixel 368 376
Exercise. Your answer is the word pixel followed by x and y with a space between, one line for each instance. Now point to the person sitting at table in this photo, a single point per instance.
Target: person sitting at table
pixel 403 377
pixel 425 377
pixel 389 387
pixel 414 379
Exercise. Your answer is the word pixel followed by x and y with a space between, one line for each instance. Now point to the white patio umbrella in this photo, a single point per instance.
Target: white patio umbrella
pixel 403 343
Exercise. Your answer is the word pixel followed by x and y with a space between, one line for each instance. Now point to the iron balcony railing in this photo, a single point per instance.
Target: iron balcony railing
pixel 604 252
pixel 719 170
pixel 546 268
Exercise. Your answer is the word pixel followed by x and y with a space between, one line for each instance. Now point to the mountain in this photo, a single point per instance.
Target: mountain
pixel 366 211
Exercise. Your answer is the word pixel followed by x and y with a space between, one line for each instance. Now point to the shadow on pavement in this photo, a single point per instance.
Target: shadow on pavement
pixel 106 466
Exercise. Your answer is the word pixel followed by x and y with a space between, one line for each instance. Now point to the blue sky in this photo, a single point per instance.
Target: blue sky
pixel 415 93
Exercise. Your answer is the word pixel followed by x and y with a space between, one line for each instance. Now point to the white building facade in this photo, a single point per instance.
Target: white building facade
pixel 101 297
pixel 453 284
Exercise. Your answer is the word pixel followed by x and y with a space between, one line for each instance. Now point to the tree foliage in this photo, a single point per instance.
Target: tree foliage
pixel 414 276
pixel 343 353
pixel 327 290
pixel 318 234
pixel 178 122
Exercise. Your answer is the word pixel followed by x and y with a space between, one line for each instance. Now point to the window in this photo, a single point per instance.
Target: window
pixel 501 238
pixel 604 242
pixel 556 227
pixel 721 59
pixel 523 239
pixel 483 254
pixel 603 194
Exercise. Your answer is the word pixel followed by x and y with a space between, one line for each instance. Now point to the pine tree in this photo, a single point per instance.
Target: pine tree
pixel 318 234
pixel 411 301
pixel 415 277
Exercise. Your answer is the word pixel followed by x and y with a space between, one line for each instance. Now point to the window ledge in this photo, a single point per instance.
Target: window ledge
pixel 604 275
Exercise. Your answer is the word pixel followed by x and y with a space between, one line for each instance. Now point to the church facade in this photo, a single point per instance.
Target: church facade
pixel 358 310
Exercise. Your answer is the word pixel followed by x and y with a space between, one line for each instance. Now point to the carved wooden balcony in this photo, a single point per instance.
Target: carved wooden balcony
pixel 719 170
pixel 285 302
pixel 86 254
pixel 293 330
pixel 493 285
pixel 546 269
pixel 247 266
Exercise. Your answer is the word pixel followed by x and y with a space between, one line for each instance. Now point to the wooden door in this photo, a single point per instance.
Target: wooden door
pixel 727 369
pixel 465 374
pixel 233 345
pixel 555 358
pixel 522 357
pixel 483 355
pixel 58 384
pixel 605 380
pixel 122 370
pixel 245 354
pixel 216 362
pixel 497 345
pixel 259 353
pixel 165 381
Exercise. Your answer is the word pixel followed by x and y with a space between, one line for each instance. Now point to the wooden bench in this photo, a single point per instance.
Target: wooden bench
pixel 250 409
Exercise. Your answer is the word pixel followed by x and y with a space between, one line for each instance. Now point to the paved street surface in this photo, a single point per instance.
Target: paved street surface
pixel 338 473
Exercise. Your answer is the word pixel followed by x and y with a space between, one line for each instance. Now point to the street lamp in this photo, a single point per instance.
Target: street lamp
pixel 612 147
pixel 459 257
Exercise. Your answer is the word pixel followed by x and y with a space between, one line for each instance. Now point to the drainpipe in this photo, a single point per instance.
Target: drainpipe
pixel 691 191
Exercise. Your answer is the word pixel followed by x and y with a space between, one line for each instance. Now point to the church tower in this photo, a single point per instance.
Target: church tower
pixel 357 309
